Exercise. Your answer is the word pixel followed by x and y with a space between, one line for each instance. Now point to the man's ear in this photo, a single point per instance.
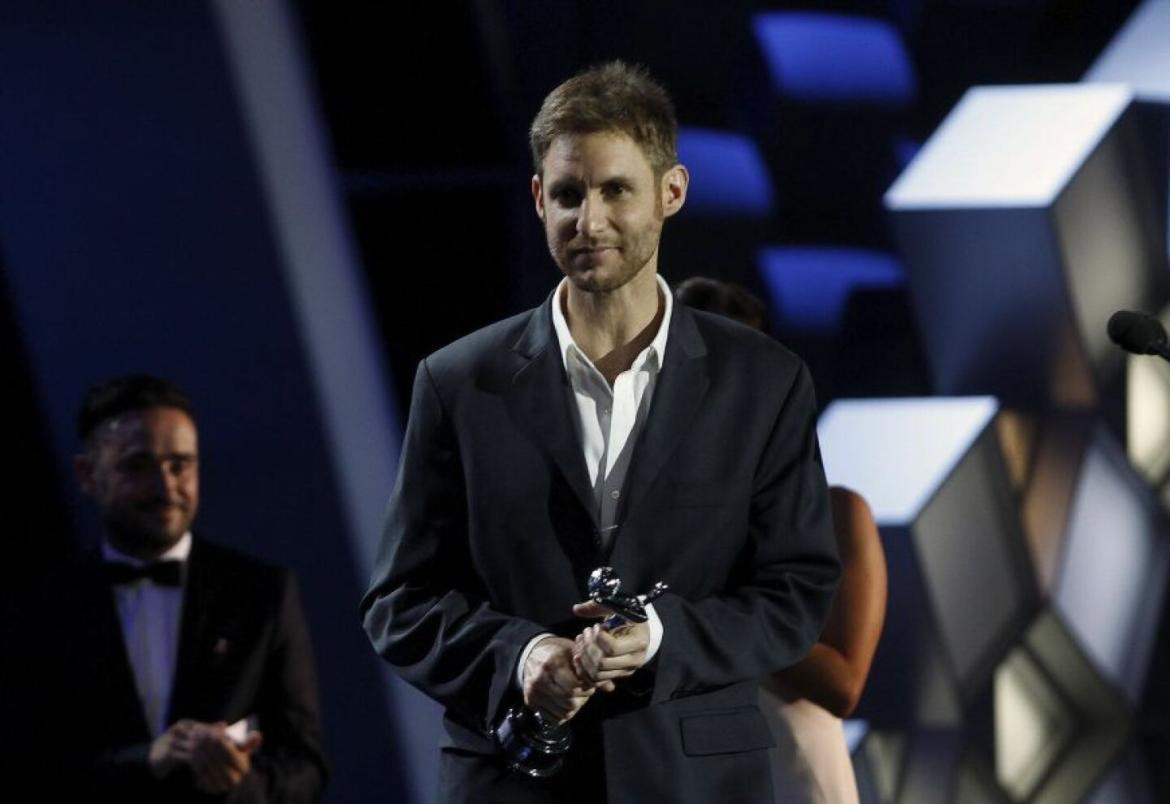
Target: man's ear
pixel 674 189
pixel 83 467
pixel 538 195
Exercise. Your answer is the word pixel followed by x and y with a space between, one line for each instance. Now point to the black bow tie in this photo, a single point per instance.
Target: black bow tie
pixel 163 573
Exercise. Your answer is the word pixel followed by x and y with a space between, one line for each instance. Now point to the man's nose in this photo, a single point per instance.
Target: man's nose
pixel 164 481
pixel 592 216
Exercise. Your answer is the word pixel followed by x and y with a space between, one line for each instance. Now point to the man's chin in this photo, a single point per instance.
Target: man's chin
pixel 146 541
pixel 594 281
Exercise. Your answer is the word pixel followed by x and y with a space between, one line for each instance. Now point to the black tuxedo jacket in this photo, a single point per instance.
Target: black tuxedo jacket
pixel 491 535
pixel 243 650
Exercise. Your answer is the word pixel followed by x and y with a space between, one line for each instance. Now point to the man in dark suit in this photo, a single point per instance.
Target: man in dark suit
pixel 176 669
pixel 606 427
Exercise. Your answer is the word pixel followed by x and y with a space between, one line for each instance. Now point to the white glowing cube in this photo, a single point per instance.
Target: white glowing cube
pixel 1026 220
pixel 960 587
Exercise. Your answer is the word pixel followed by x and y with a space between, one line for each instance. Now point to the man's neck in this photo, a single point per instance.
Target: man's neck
pixel 612 328
pixel 137 549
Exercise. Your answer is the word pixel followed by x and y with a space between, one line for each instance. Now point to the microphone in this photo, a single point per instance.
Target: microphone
pixel 1138 333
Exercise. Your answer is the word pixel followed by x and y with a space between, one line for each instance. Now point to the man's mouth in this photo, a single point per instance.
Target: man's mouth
pixel 590 250
pixel 160 509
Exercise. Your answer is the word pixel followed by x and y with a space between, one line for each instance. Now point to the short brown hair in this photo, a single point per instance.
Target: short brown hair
pixel 121 395
pixel 610 97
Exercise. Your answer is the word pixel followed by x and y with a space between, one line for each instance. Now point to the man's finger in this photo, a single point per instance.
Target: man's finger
pixel 549 697
pixel 569 687
pixel 208 775
pixel 219 780
pixel 611 668
pixel 561 683
pixel 218 751
pixel 233 757
pixel 626 661
pixel 253 742
pixel 550 708
pixel 589 663
pixel 610 645
pixel 591 610
pixel 564 676
pixel 584 667
pixel 613 675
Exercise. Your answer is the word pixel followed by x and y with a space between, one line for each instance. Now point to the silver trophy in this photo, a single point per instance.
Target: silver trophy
pixel 530 742
pixel 605 587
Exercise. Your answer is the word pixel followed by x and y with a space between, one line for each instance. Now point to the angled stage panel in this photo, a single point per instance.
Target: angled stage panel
pixel 934 475
pixel 1028 218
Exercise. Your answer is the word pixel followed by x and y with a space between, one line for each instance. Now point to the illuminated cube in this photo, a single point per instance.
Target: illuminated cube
pixel 1027 219
pixel 961 589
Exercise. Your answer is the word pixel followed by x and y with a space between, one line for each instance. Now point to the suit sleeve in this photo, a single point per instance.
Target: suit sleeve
pixel 771 610
pixel 427 613
pixel 289 767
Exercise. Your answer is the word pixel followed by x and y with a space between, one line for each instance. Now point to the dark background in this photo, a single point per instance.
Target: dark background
pixel 134 236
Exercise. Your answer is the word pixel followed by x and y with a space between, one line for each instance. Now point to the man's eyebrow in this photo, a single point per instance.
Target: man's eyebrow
pixel 618 178
pixel 137 452
pixel 567 183
pixel 570 183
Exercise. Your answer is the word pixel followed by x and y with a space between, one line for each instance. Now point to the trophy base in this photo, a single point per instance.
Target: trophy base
pixel 530 744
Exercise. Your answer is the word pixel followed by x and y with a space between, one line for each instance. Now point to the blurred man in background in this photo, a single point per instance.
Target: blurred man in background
pixel 167 668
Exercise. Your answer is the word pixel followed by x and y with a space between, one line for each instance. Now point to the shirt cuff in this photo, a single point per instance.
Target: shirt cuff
pixel 653 622
pixel 524 658
pixel 655 625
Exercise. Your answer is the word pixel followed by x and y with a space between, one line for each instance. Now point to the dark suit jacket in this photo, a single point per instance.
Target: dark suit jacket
pixel 491 535
pixel 243 650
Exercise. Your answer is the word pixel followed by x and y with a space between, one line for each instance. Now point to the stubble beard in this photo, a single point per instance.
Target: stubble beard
pixel 139 538
pixel 635 258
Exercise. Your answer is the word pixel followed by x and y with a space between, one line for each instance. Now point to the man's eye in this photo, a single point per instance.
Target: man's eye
pixel 615 190
pixel 181 464
pixel 567 198
pixel 135 465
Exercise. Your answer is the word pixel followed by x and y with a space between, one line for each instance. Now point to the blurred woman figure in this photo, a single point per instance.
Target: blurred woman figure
pixel 806 702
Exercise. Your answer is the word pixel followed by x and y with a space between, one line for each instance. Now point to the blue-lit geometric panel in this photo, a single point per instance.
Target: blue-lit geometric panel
pixel 1058 723
pixel 1139 57
pixel 839 89
pixel 809 286
pixel 924 766
pixel 1059 441
pixel 833 58
pixel 1147 417
pixel 730 209
pixel 1009 147
pixel 877 766
pixel 1113 571
pixel 924 438
pixel 1034 723
pixel 1026 220
pixel 935 478
pixel 932 764
pixel 728 174
pixel 1128 781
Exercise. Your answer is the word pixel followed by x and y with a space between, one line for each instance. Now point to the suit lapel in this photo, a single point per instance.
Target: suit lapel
pixel 197 597
pixel 678 395
pixel 539 404
pixel 103 623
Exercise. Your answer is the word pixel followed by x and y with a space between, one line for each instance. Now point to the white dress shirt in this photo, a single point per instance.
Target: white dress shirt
pixel 151 616
pixel 608 422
